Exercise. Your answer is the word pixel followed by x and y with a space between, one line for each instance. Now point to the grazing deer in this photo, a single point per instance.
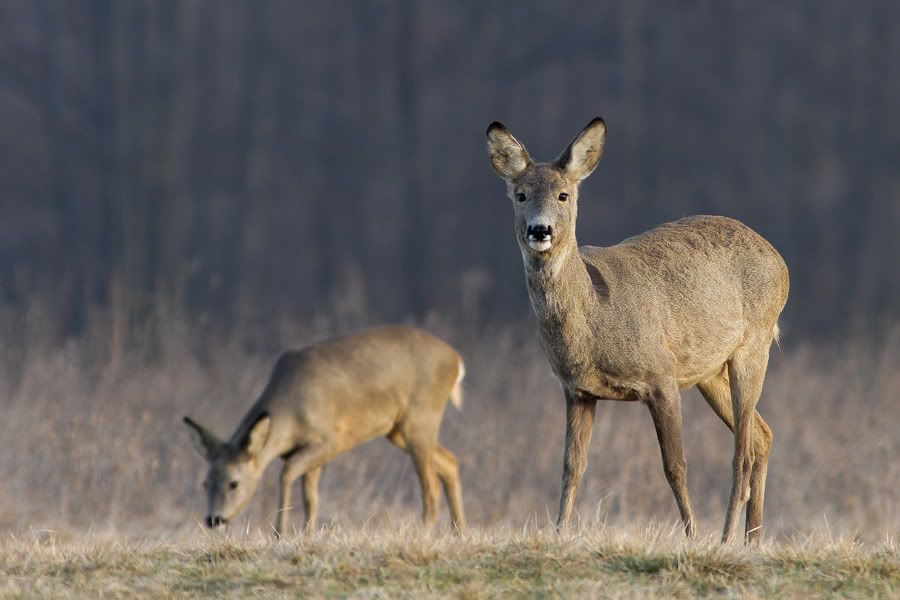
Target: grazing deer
pixel 693 302
pixel 333 396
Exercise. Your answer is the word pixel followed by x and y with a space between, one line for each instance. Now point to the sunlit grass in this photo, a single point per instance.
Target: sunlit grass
pixel 403 561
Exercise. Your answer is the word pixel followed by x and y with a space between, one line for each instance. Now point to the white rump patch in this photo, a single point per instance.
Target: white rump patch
pixel 456 397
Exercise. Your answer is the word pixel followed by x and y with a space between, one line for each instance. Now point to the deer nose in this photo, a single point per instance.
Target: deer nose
pixel 539 232
pixel 215 521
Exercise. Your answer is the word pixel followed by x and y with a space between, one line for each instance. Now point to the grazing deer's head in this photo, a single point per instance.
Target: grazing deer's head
pixel 234 470
pixel 545 195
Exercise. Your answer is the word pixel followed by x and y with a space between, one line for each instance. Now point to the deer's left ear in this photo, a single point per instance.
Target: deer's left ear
pixel 257 435
pixel 581 157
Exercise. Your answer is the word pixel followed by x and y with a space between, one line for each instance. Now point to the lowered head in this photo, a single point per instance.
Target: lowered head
pixel 234 469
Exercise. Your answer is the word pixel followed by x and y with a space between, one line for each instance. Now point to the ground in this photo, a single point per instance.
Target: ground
pixel 402 561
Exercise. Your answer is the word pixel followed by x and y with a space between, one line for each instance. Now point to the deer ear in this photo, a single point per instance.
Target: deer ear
pixel 257 435
pixel 581 157
pixel 205 442
pixel 508 155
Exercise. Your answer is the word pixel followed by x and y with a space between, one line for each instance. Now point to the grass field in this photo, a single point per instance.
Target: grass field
pixel 402 562
pixel 100 488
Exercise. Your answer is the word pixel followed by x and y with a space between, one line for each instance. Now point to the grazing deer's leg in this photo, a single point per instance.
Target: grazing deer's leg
pixel 763 447
pixel 311 497
pixel 297 464
pixel 447 468
pixel 423 459
pixel 665 408
pixel 717 393
pixel 579 425
pixel 284 505
pixel 746 371
pixel 448 471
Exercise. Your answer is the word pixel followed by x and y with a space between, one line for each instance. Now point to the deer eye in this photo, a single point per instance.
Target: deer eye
pixel 233 485
pixel 520 197
pixel 563 197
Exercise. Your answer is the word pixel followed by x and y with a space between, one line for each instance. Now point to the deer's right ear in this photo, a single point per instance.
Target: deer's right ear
pixel 205 442
pixel 508 155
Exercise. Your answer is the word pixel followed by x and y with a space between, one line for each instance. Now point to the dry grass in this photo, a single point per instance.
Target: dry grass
pixel 101 489
pixel 91 437
pixel 92 445
pixel 400 561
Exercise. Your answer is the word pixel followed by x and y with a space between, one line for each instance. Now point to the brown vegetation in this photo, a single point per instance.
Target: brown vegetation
pixel 91 438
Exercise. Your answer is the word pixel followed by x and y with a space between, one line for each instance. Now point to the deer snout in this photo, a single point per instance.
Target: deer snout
pixel 213 521
pixel 539 236
pixel 540 232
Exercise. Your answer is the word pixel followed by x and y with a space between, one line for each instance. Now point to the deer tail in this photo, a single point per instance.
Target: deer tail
pixel 456 395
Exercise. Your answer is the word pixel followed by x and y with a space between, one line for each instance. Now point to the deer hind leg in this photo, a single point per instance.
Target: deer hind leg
pixel 448 471
pixel 717 393
pixel 311 497
pixel 746 372
pixel 763 448
pixel 579 425
pixel 443 467
pixel 421 442
pixel 665 408
pixel 423 459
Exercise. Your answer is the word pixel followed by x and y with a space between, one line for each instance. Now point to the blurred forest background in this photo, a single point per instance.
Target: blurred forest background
pixel 235 159
pixel 188 188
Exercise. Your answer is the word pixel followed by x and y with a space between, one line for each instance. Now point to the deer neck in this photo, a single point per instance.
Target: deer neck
pixel 276 445
pixel 561 293
pixel 571 300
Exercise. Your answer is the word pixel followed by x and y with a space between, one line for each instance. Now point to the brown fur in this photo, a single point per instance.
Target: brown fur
pixel 333 396
pixel 693 302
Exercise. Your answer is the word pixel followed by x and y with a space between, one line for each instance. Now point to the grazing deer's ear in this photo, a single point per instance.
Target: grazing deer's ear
pixel 508 155
pixel 257 435
pixel 205 442
pixel 581 157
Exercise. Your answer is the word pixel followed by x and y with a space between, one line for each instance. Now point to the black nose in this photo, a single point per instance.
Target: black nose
pixel 539 232
pixel 215 521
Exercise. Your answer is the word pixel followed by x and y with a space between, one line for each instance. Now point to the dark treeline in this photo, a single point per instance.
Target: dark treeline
pixel 236 159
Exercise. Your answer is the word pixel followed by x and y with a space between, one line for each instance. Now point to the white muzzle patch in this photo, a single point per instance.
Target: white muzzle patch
pixel 540 245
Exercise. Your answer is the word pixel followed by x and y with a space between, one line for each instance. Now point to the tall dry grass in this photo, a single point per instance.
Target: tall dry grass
pixel 91 435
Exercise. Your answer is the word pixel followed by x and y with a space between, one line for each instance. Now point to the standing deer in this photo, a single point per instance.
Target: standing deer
pixel 333 396
pixel 693 302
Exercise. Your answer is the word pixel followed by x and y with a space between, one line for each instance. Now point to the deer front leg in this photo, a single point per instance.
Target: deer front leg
pixel 665 408
pixel 311 497
pixel 295 465
pixel 579 425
